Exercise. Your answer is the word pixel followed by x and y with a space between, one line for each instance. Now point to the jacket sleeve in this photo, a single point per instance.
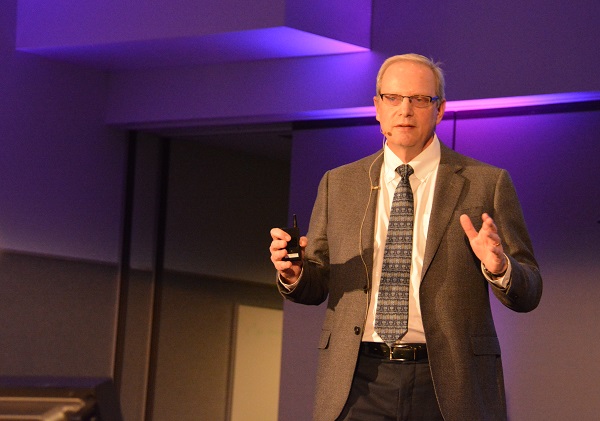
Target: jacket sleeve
pixel 313 285
pixel 525 286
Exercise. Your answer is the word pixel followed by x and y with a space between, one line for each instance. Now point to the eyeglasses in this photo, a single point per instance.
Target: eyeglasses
pixel 419 101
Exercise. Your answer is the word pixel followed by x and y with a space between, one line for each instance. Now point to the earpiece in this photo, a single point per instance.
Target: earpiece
pixel 365 216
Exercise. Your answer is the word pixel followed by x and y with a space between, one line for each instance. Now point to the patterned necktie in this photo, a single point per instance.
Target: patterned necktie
pixel 391 319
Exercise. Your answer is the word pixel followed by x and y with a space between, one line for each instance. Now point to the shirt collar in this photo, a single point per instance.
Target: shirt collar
pixel 423 164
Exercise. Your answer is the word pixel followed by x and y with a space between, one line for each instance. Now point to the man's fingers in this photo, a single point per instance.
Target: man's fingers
pixel 279 234
pixel 488 223
pixel 277 253
pixel 467 226
pixel 277 245
pixel 282 265
pixel 303 242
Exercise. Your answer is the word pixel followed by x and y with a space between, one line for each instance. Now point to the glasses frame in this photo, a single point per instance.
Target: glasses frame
pixel 432 99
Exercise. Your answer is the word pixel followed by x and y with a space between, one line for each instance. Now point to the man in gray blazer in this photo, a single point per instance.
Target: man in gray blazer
pixel 469 237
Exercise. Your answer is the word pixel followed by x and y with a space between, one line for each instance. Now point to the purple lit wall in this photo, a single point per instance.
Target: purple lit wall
pixel 61 167
pixel 281 90
pixel 497 49
pixel 51 23
pixel 139 34
pixel 61 172
pixel 488 50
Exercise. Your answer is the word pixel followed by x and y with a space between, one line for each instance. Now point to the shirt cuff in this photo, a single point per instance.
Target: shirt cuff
pixel 499 281
pixel 290 287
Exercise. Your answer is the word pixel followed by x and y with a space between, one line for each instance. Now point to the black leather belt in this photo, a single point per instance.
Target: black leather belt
pixel 398 352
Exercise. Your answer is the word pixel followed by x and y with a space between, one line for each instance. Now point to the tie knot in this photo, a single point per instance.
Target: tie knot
pixel 405 171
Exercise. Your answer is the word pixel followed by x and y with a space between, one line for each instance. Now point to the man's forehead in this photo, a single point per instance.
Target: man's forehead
pixel 408 70
pixel 407 67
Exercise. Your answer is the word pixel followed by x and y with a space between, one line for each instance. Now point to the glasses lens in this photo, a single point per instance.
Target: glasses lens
pixel 421 101
pixel 392 100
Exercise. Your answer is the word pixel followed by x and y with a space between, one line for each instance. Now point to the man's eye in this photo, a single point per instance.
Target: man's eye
pixel 393 98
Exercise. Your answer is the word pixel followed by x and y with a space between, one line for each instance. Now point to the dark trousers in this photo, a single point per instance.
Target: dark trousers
pixel 384 390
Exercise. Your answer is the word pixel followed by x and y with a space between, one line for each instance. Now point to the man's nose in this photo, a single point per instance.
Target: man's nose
pixel 406 107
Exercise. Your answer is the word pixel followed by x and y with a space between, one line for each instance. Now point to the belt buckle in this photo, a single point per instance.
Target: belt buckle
pixel 403 347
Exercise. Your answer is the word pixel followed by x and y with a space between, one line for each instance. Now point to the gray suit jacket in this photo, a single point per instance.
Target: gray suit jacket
pixel 464 352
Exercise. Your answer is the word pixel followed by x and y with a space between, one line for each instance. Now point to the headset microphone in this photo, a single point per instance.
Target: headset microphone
pixel 385 134
pixel 360 248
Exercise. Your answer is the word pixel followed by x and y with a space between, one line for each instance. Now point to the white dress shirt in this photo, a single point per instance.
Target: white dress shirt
pixel 422 182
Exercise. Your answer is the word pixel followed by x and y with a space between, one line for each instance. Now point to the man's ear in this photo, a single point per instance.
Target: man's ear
pixel 441 111
pixel 376 102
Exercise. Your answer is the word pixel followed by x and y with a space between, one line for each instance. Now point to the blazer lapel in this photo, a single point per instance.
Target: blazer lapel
pixel 448 188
